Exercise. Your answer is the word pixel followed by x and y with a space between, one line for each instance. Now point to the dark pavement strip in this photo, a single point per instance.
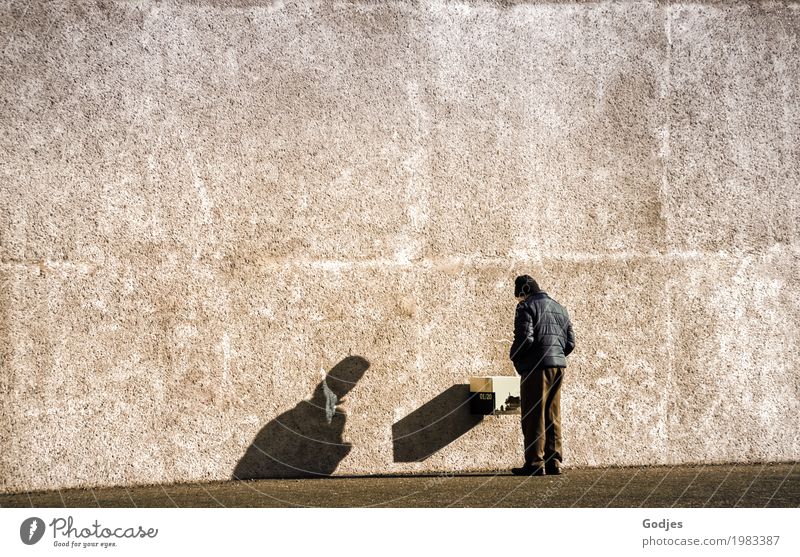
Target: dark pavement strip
pixel 751 485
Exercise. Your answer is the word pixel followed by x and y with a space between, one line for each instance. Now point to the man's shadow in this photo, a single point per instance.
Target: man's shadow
pixel 306 440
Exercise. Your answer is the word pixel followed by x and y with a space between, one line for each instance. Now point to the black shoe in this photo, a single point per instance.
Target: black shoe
pixel 553 468
pixel 528 470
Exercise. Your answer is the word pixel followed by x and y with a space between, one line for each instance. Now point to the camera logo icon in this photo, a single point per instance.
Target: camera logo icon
pixel 31 530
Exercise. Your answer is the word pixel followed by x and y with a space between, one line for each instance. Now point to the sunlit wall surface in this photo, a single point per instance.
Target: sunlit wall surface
pixel 207 207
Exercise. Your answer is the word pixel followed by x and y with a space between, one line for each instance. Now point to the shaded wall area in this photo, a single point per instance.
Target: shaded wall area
pixel 205 207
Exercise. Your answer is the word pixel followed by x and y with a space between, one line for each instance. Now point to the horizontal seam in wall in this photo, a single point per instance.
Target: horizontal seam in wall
pixel 423 263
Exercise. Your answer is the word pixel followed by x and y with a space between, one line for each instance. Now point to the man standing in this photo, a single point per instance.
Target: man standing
pixel 543 338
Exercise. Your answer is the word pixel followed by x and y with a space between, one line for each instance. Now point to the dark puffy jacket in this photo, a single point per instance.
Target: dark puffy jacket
pixel 543 334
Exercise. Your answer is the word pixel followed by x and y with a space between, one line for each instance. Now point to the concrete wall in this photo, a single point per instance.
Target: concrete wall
pixel 207 206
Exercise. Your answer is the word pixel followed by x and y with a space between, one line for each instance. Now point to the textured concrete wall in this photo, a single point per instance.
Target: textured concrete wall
pixel 207 206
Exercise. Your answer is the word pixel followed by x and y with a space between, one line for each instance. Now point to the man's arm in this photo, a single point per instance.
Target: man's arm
pixel 523 332
pixel 570 336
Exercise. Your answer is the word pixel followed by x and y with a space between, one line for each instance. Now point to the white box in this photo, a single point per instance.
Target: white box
pixel 495 394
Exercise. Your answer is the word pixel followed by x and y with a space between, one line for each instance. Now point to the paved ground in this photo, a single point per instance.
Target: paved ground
pixel 769 485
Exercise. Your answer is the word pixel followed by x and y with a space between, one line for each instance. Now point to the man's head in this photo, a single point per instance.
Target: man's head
pixel 524 286
pixel 344 375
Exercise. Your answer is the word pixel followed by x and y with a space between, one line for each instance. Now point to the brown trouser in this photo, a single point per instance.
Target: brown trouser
pixel 540 404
